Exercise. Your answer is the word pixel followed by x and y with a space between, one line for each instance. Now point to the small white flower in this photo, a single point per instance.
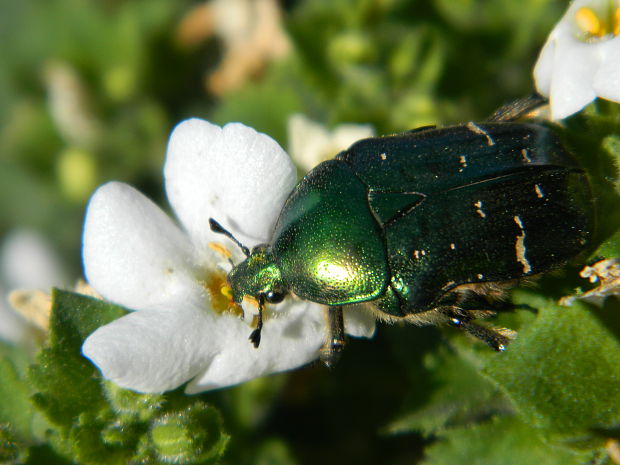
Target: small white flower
pixel 184 328
pixel 581 59
pixel 26 262
pixel 310 143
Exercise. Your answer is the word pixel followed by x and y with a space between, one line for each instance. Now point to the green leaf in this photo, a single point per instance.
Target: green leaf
pixel 274 452
pixel 461 395
pixel 66 382
pixel 99 423
pixel 610 248
pixel 15 406
pixel 562 372
pixel 505 441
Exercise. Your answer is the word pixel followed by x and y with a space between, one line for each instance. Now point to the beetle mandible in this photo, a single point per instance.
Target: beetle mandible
pixel 423 225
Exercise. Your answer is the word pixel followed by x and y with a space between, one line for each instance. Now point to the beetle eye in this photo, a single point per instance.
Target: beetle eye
pixel 274 297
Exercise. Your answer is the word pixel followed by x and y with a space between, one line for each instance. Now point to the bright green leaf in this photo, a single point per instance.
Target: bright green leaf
pixel 461 395
pixel 505 441
pixel 15 406
pixel 66 382
pixel 562 372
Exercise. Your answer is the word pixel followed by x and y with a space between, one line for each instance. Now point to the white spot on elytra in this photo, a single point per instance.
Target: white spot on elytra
pixel 478 130
pixel 525 156
pixel 418 253
pixel 520 247
pixel 478 206
pixel 539 192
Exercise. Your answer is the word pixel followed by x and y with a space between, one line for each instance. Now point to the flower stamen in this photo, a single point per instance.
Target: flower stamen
pixel 220 294
pixel 596 24
pixel 587 20
pixel 219 248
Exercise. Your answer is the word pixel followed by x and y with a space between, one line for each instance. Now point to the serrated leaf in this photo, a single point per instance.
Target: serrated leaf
pixel 562 373
pixel 99 423
pixel 75 316
pixel 505 441
pixel 66 382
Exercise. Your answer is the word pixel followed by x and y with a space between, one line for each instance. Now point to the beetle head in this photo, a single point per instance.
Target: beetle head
pixel 257 276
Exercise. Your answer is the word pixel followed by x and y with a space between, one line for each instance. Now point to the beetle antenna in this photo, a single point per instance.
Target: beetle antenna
pixel 218 228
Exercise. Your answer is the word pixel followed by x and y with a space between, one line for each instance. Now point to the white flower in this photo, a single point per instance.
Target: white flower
pixel 184 328
pixel 26 262
pixel 581 59
pixel 310 143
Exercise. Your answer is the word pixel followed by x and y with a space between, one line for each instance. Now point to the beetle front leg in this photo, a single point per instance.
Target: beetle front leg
pixel 255 335
pixel 334 341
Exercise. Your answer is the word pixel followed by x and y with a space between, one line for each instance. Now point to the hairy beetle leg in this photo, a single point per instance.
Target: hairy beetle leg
pixel 496 338
pixel 519 108
pixel 334 342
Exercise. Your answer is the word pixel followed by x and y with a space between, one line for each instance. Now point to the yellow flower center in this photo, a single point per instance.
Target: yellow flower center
pixel 220 294
pixel 598 21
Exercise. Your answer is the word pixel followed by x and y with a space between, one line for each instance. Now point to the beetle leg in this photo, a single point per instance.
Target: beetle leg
pixel 496 338
pixel 518 109
pixel 334 342
pixel 255 335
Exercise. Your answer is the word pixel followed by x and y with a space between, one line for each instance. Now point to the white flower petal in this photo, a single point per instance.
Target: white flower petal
pixel 359 321
pixel 544 68
pixel 572 77
pixel 289 340
pixel 28 261
pixel 133 254
pixel 153 351
pixel 234 174
pixel 307 141
pixel 607 79
pixel 310 143
pixel 13 328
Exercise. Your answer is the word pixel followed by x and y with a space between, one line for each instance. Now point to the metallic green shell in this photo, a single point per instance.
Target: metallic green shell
pixel 403 220
pixel 471 204
pixel 327 244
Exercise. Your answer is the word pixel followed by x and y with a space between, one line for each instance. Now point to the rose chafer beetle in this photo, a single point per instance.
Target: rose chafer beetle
pixel 425 226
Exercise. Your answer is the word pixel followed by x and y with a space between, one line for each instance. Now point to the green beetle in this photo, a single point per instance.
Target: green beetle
pixel 423 225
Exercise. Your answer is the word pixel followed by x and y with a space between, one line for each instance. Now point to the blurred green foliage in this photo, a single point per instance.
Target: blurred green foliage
pixel 410 395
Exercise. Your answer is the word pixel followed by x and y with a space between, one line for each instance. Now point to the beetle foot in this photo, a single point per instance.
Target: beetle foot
pixel 255 338
pixel 330 352
pixel 496 338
